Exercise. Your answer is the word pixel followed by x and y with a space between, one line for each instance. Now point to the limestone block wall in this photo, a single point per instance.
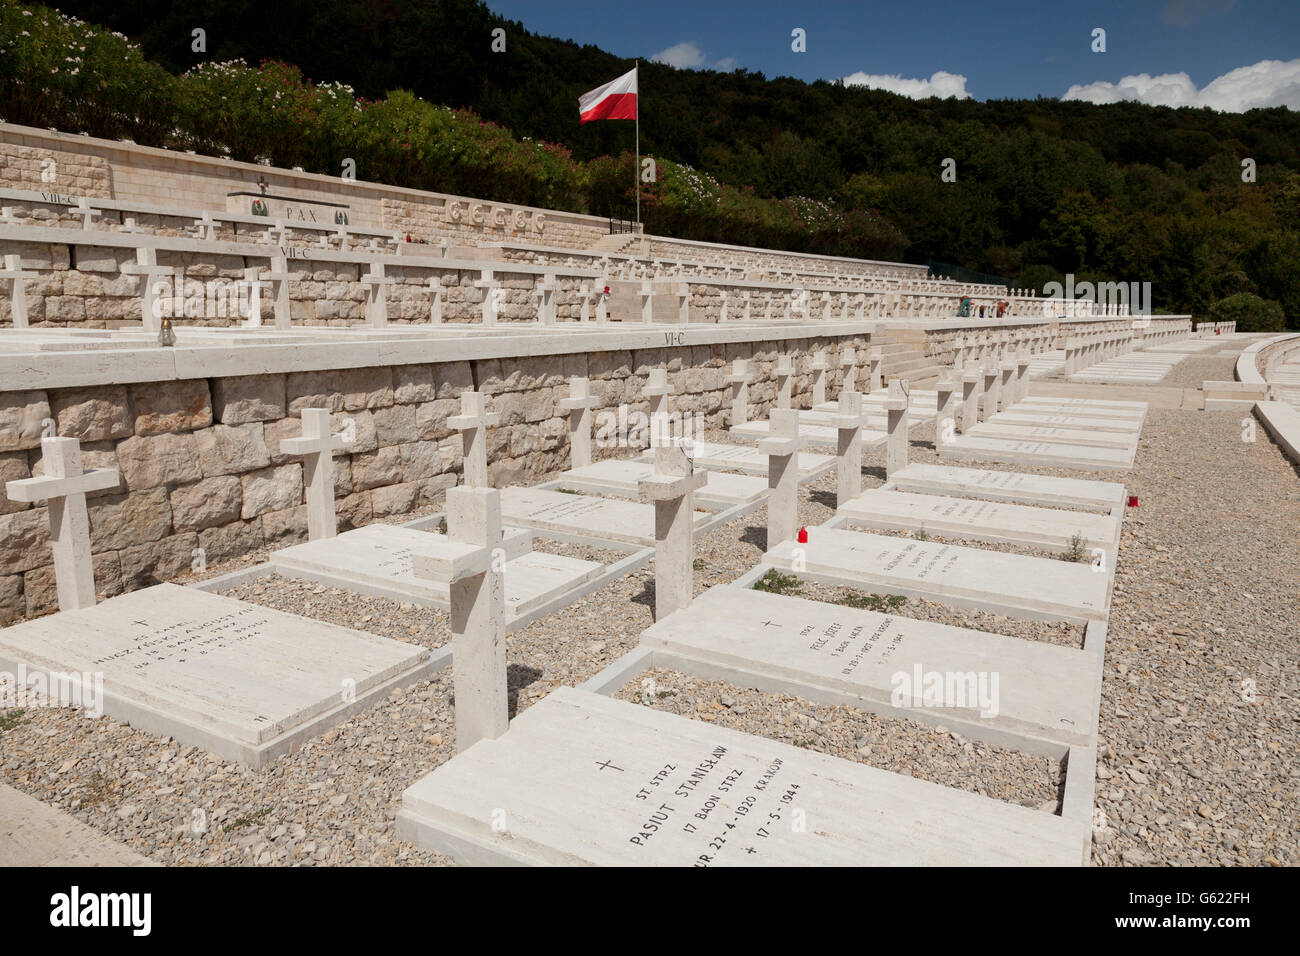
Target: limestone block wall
pixel 37 168
pixel 83 287
pixel 201 466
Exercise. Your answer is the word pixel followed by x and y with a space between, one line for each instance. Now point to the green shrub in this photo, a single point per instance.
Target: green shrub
pixel 1250 312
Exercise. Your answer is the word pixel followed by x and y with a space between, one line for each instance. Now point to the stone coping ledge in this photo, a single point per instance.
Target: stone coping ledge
pixel 228 352
pixel 1282 422
pixel 107 239
pixel 1247 369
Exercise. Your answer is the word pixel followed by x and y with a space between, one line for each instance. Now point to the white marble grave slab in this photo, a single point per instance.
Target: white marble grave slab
pixel 1019 415
pixel 583 779
pixel 245 682
pixel 584 516
pixel 1040 453
pixel 997 428
pixel 820 436
pixel 995 521
pixel 615 477
pixel 1017 585
pixel 1011 486
pixel 747 459
pixel 1025 694
pixel 376 559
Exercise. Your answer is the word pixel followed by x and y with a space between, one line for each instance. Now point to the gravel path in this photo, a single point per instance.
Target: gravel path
pixel 1190 770
pixel 896 744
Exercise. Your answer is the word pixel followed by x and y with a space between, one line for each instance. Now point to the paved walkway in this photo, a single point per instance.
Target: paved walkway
pixel 35 834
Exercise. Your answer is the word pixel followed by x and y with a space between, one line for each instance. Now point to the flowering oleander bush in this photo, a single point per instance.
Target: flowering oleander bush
pixel 56 71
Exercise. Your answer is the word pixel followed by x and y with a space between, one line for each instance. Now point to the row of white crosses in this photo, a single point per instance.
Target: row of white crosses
pixel 972 394
pixel 1085 350
pixel 64 486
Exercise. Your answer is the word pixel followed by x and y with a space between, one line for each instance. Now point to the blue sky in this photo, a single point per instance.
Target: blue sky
pixel 1003 48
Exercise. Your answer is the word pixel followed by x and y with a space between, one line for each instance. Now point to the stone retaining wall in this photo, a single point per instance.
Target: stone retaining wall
pixel 201 469
pixel 88 166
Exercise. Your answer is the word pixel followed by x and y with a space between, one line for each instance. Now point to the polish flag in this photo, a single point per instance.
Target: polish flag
pixel 615 100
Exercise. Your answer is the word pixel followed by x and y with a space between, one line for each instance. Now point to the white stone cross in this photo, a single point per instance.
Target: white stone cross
pixel 489 284
pixel 254 297
pixel 472 423
pixel 647 301
pixel 782 451
pixel 683 303
pixel 435 300
pixel 992 392
pixel 207 227
pixel 579 405
pixel 671 488
pixel 84 210
pixel 471 561
pixel 740 379
pixel 1007 381
pixel 875 380
pixel 848 456
pixel 544 292
pixel 316 446
pixel 63 487
pixel 376 297
pixel 13 274
pixel 146 266
pixel 279 276
pixel 896 445
pixel 947 401
pixel 784 373
pixel 849 365
pixel 657 391
pixel 819 366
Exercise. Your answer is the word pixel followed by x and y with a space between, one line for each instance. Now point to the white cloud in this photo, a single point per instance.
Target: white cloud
pixel 942 84
pixel 688 56
pixel 1266 83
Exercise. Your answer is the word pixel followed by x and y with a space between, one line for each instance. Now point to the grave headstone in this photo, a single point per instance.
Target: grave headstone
pixel 472 423
pixel 579 405
pixel 782 449
pixel 317 446
pixel 63 488
pixel 670 489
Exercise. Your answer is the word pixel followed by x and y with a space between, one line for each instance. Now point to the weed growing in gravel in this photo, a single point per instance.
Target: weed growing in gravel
pixel 567 491
pixel 12 719
pixel 874 602
pixel 921 534
pixel 442 526
pixel 246 821
pixel 1076 552
pixel 774 582
pixel 699 564
pixel 96 790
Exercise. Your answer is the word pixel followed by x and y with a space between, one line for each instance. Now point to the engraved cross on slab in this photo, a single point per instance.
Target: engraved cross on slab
pixel 317 447
pixel 63 487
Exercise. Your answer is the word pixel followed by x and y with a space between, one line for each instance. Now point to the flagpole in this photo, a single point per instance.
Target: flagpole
pixel 636 170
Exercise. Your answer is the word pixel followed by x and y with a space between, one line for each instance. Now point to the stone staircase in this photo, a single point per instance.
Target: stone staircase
pixel 907 360
pixel 622 243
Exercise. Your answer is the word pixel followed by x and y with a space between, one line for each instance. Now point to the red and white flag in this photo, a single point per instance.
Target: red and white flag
pixel 615 100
